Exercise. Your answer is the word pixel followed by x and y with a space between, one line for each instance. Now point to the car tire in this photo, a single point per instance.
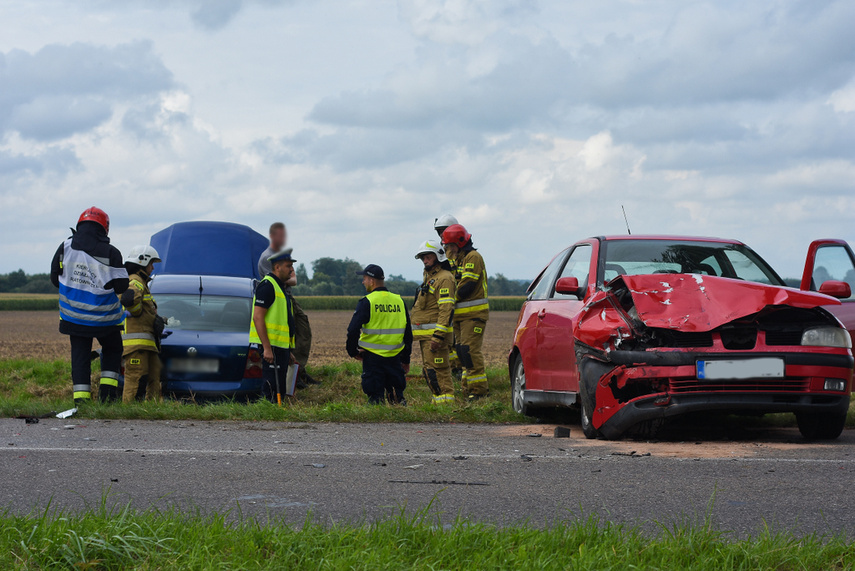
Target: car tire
pixel 820 426
pixel 589 376
pixel 518 387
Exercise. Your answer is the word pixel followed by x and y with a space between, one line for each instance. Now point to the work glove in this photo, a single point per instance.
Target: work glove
pixel 128 298
pixel 159 326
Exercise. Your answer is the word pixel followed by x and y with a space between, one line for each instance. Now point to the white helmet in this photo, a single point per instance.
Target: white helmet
pixel 444 221
pixel 431 247
pixel 142 256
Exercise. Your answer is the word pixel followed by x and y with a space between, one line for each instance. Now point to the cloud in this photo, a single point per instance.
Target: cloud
pixel 215 14
pixel 61 90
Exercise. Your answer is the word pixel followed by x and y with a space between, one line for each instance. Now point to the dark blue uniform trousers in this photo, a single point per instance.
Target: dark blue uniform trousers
pixel 383 378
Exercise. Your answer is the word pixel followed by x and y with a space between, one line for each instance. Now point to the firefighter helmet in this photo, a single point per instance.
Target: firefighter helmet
pixel 93 214
pixel 456 234
pixel 431 247
pixel 142 256
pixel 444 222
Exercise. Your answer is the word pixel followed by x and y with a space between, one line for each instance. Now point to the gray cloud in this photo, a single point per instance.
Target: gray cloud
pixel 215 14
pixel 61 90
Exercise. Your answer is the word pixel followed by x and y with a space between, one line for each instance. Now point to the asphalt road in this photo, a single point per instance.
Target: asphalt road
pixel 350 472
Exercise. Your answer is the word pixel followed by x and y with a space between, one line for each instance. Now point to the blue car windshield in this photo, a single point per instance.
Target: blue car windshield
pixel 217 313
pixel 641 257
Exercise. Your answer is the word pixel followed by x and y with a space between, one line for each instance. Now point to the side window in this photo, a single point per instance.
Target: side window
pixel 833 263
pixel 547 278
pixel 577 266
pixel 709 266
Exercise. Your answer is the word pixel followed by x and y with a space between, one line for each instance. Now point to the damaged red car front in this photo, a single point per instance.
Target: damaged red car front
pixel 662 327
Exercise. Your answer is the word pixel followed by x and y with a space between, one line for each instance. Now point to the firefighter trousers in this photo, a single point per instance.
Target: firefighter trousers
pixel 142 376
pixel 81 366
pixel 469 351
pixel 437 371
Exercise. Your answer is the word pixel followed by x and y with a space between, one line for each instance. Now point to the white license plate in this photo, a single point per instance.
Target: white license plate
pixel 195 365
pixel 763 368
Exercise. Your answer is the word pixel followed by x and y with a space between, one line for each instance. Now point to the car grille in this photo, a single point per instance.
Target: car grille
pixel 739 386
pixel 784 337
pixel 738 338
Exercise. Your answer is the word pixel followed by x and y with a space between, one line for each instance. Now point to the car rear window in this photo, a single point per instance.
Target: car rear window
pixel 206 312
pixel 642 257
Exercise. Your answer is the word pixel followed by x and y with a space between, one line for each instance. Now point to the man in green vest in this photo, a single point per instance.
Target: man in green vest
pixel 379 335
pixel 271 329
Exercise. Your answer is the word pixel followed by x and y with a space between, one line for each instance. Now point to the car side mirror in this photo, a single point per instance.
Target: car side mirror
pixel 569 286
pixel 834 288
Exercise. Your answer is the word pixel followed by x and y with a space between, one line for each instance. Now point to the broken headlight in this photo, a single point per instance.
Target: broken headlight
pixel 827 337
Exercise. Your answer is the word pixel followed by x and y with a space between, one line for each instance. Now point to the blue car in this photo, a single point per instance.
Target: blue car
pixel 204 287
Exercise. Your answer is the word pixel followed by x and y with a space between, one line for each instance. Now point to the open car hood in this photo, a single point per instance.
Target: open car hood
pixel 692 302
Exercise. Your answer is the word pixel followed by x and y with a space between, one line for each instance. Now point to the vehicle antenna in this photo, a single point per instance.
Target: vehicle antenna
pixel 628 231
pixel 201 289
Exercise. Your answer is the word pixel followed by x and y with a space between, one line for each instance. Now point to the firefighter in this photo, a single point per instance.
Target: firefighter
pixel 89 274
pixel 302 329
pixel 471 310
pixel 432 315
pixel 272 326
pixel 143 329
pixel 379 335
pixel 443 222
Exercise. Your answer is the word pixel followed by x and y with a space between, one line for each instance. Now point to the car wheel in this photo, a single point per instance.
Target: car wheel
pixel 590 374
pixel 518 387
pixel 820 426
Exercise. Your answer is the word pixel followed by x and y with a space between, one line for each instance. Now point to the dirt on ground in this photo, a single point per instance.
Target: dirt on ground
pixel 35 335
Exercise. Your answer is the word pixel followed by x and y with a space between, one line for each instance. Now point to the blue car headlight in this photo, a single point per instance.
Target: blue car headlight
pixel 827 337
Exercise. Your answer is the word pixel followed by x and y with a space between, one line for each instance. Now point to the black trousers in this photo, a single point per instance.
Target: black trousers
pixel 281 360
pixel 383 378
pixel 81 364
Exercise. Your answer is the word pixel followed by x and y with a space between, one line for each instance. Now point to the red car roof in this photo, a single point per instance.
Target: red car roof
pixel 671 238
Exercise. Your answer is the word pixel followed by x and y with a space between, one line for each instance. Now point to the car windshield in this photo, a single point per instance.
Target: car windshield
pixel 641 257
pixel 193 312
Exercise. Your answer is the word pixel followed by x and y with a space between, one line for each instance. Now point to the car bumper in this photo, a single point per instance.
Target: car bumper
pixel 242 387
pixel 651 407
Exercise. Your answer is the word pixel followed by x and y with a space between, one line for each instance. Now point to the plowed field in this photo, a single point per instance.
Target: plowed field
pixel 35 335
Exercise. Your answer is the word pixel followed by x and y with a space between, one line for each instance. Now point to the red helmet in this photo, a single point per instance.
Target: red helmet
pixel 456 234
pixel 96 215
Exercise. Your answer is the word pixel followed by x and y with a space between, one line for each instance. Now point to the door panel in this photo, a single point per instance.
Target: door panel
pixel 832 260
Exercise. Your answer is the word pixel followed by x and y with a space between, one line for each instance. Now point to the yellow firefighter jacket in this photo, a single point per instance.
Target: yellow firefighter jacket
pixel 471 270
pixel 434 307
pixel 139 326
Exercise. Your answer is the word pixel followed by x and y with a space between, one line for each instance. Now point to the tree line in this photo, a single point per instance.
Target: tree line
pixel 330 276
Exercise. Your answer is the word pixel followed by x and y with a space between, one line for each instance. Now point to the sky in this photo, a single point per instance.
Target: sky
pixel 359 122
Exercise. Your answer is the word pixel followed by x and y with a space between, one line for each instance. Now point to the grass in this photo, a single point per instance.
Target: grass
pixel 31 387
pixel 120 537
pixel 46 302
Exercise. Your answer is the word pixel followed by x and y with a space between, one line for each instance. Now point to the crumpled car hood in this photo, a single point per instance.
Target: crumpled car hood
pixel 692 302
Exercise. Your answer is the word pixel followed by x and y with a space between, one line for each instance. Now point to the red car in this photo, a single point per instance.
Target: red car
pixel 633 330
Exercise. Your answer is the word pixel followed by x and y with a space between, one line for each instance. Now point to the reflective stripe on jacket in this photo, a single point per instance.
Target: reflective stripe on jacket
pixel 276 320
pixel 433 309
pixel 138 334
pixel 82 297
pixel 384 332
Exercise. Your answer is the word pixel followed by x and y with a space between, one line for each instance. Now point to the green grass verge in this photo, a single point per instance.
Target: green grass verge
pixel 122 538
pixel 31 387
pixel 29 304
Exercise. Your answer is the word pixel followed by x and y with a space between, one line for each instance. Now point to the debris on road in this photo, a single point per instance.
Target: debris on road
pixel 316 465
pixel 459 457
pixel 413 467
pixel 634 454
pixel 535 435
pixel 526 458
pixel 561 432
pixel 439 482
pixel 67 413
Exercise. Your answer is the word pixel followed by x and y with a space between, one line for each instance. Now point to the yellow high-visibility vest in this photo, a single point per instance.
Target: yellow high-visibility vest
pixel 276 320
pixel 384 332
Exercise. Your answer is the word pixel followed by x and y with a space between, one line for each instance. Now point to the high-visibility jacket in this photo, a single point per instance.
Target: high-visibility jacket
pixel 82 297
pixel 471 269
pixel 384 332
pixel 434 307
pixel 139 325
pixel 277 320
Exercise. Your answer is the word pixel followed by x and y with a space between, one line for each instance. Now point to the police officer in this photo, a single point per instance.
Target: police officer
pixel 379 335
pixel 89 274
pixel 302 329
pixel 432 315
pixel 271 329
pixel 471 310
pixel 143 329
